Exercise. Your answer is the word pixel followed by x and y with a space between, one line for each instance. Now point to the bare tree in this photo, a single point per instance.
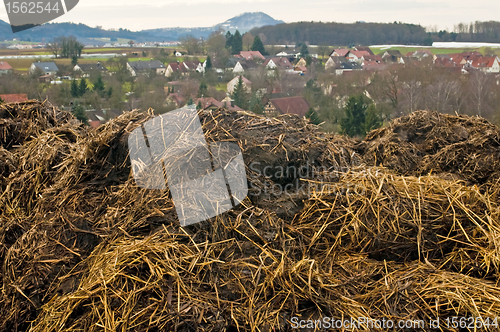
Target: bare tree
pixel 480 93
pixel 441 95
pixel 411 96
pixel 247 41
pixel 55 46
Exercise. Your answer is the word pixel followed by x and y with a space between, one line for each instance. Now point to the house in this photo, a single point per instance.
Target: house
pixel 363 48
pixel 176 99
pixel 419 54
pixel 301 69
pixel 279 63
pixel 301 62
pixel 46 68
pixel 356 56
pixel 138 67
pixel 211 103
pixel 250 55
pixel 244 65
pixel 87 68
pixel 192 65
pixel 373 65
pixel 287 105
pixel 340 52
pixel 14 98
pixel 341 65
pixel 98 117
pixel 175 67
pixel 486 64
pixel 5 68
pixel 231 85
pixel 393 56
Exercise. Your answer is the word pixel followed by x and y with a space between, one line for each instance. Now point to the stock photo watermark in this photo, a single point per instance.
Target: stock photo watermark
pixel 25 15
pixel 303 180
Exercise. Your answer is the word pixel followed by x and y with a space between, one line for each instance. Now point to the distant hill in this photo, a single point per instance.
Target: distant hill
pixel 84 33
pixel 247 21
pixel 242 23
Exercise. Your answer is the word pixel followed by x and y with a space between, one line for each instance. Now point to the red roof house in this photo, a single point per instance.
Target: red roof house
pixel 14 98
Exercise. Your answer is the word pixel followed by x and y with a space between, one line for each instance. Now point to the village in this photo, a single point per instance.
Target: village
pixel 309 81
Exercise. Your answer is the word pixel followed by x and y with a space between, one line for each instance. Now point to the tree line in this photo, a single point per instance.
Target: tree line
pixel 319 33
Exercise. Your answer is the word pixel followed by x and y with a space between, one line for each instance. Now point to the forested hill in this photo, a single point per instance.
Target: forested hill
pixel 318 33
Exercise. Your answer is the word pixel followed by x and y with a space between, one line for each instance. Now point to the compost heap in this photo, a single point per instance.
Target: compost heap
pixel 83 248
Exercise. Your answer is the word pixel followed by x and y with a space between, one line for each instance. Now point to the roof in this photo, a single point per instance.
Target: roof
pixel 191 65
pixel 4 65
pixel 14 98
pixel 291 105
pixel 243 78
pixel 177 98
pixel 249 55
pixel 177 67
pixel 393 53
pixel 375 58
pixel 340 51
pixel 364 48
pixel 280 62
pixel 301 68
pixel 359 54
pixel 91 66
pixel 146 65
pixel 483 62
pixel 46 66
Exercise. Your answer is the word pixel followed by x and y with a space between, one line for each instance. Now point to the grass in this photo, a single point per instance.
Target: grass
pixel 221 87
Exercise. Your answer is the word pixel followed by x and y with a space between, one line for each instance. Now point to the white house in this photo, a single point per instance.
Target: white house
pixel 47 68
pixel 234 82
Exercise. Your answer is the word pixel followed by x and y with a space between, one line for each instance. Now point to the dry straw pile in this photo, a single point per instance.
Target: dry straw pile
pixel 84 249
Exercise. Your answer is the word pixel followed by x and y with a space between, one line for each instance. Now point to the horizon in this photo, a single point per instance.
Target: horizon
pixel 207 13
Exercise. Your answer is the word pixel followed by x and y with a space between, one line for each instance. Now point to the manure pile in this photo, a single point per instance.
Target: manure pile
pixel 83 248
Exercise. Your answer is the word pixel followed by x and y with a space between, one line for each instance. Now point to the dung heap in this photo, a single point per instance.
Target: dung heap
pixel 83 248
pixel 423 142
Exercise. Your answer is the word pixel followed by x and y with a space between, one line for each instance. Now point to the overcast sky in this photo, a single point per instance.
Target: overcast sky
pixel 138 15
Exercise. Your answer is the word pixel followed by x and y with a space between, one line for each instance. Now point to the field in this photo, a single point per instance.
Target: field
pixel 401 225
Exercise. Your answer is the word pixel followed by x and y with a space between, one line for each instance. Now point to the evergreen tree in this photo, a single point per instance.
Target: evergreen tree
pixel 229 40
pixel 258 46
pixel 255 103
pixel 74 60
pixel 237 43
pixel 372 119
pixel 99 85
pixel 208 66
pixel 199 106
pixel 304 51
pixel 79 113
pixel 83 88
pixel 202 90
pixel 190 101
pixel 313 116
pixel 240 95
pixel 355 114
pixel 257 109
pixel 75 92
pixel 110 92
